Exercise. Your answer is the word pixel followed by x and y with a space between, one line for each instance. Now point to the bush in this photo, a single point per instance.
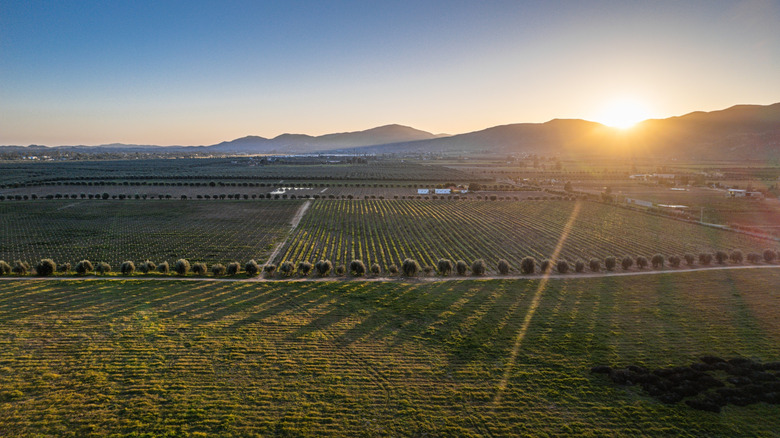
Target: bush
pixel 736 256
pixel 233 268
pixel 181 267
pixel 102 268
pixel 641 262
pixel 163 268
pixel 287 269
pixel 562 266
pixel 427 269
pixel 689 259
pixel 594 265
pixel 610 263
pixel 527 265
pixel 376 269
pixel 323 267
pixel 627 263
pixel 503 267
pixel 410 268
pixel 392 269
pixel 199 268
pixel 341 270
pixel 461 267
pixel 63 267
pixel 545 266
pixel 705 258
pixel 579 266
pixel 269 270
pixel 127 267
pixel 304 268
pixel 84 267
pixel 45 267
pixel 20 268
pixel 444 267
pixel 754 258
pixel 721 257
pixel 252 268
pixel 357 268
pixel 769 256
pixel 5 268
pixel 478 267
pixel 657 261
pixel 674 261
pixel 218 269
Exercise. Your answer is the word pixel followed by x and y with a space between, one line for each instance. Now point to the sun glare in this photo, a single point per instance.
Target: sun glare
pixel 623 113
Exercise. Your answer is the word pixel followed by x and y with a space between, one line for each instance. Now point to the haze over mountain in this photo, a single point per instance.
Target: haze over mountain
pixel 742 131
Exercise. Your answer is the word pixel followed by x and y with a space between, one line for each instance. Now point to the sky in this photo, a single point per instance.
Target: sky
pixel 201 72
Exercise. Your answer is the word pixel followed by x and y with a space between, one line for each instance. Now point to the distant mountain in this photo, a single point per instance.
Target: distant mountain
pixel 297 143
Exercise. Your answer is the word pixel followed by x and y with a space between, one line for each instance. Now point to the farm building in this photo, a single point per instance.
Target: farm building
pixel 736 193
pixel 639 202
pixel 443 191
pixel 423 191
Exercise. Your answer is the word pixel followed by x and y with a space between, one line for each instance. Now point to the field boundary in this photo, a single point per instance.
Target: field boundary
pixel 293 225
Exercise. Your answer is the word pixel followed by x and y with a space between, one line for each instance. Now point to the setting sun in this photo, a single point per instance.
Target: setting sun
pixel 623 113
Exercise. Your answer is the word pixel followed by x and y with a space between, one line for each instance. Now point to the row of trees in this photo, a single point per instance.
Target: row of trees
pixel 409 267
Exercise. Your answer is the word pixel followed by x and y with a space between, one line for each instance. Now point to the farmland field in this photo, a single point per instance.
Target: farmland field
pixel 460 358
pixel 114 231
pixel 388 231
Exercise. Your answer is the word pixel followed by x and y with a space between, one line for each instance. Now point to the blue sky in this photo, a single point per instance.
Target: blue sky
pixel 197 72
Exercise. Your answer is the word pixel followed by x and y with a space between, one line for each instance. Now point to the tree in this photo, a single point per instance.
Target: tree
pixel 461 267
pixel 579 266
pixel 199 268
pixel 705 258
pixel 45 267
pixel 84 267
pixel 503 267
pixel 392 269
pixel 690 259
pixel 286 268
pixel 304 268
pixel 527 265
pixel 610 263
pixel 63 267
pixel 657 261
pixel 218 269
pixel 478 267
pixel 357 268
pixel 721 257
pixel 563 266
pixel 736 256
pixel 595 265
pixel 269 270
pixel 641 262
pixel 627 263
pixel 376 269
pixel 323 267
pixel 545 266
pixel 181 267
pixel 674 261
pixel 769 256
pixel 20 268
pixel 410 268
pixel 102 268
pixel 341 270
pixel 444 267
pixel 233 268
pixel 5 268
pixel 163 268
pixel 127 267
pixel 147 266
pixel 252 268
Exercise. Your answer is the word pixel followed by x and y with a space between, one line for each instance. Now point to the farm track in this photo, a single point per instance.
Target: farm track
pixel 433 279
pixel 293 225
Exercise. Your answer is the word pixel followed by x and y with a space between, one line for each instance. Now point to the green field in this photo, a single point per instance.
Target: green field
pixel 458 358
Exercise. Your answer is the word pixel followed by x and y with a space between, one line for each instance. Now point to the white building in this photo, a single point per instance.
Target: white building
pixel 443 191
pixel 422 191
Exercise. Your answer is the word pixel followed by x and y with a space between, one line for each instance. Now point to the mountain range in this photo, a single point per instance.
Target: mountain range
pixel 739 132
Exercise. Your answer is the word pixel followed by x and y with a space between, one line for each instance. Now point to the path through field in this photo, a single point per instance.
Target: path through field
pixel 293 225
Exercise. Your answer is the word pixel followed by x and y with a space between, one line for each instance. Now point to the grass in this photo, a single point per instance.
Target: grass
pixel 81 358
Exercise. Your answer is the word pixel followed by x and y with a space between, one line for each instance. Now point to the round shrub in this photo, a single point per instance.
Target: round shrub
pixel 357 268
pixel 705 258
pixel 181 267
pixel 269 270
pixel 610 263
pixel 627 263
pixel 286 269
pixel 410 267
pixel 341 270
pixel 218 269
pixel 199 268
pixel 503 267
pixel 84 267
pixel 690 259
pixel 5 268
pixel 527 265
pixel 478 267
pixel 562 266
pixel 721 257
pixel 392 269
pixel 63 267
pixel 147 266
pixel 427 269
pixel 304 268
pixel 736 256
pixel 461 267
pixel 102 268
pixel 233 268
pixel 444 267
pixel 754 258
pixel 657 261
pixel 45 267
pixel 674 261
pixel 594 265
pixel 163 268
pixel 20 268
pixel 127 267
pixel 252 268
pixel 323 268
pixel 769 256
pixel 641 262
pixel 579 266
pixel 376 269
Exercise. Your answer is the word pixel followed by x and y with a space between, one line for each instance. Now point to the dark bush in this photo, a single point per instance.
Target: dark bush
pixel 252 268
pixel 5 268
pixel 690 259
pixel 478 267
pixel 562 266
pixel 392 269
pixel 641 262
pixel 427 269
pixel 736 256
pixel 181 267
pixel 200 268
pixel 286 269
pixel 769 256
pixel 357 268
pixel 674 261
pixel 444 267
pixel 527 265
pixel 610 263
pixel 304 268
pixel 579 266
pixel 657 261
pixel 410 268
pixel 705 258
pixel 102 268
pixel 376 269
pixel 341 270
pixel 627 263
pixel 127 267
pixel 269 270
pixel 84 267
pixel 461 267
pixel 163 268
pixel 594 265
pixel 323 268
pixel 233 268
pixel 63 267
pixel 20 268
pixel 721 257
pixel 218 269
pixel 545 266
pixel 754 258
pixel 147 266
pixel 503 267
pixel 45 267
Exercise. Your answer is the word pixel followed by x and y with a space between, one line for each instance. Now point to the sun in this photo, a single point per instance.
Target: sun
pixel 623 113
